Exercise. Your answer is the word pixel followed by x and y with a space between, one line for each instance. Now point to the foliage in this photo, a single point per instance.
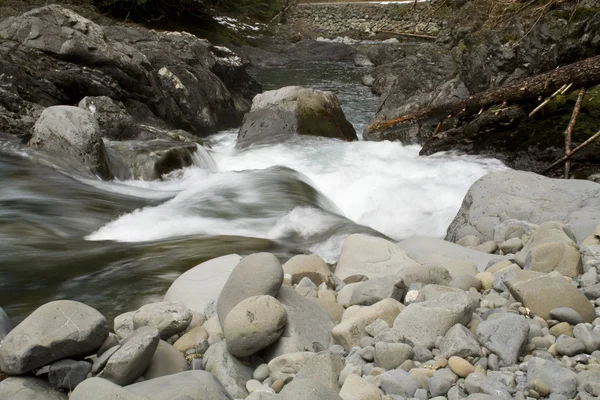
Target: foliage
pixel 154 10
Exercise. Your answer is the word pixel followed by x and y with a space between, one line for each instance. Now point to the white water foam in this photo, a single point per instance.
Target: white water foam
pixel 382 185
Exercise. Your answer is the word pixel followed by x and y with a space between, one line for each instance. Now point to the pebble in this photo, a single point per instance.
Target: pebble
pixel 460 366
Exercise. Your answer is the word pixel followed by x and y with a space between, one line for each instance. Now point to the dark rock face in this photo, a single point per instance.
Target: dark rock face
pixel 55 56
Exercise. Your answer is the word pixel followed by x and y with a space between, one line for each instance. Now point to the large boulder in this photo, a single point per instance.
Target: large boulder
pixel 75 132
pixel 371 256
pixel 526 196
pixel 56 330
pixel 281 114
pixel 505 336
pixel 257 274
pixel 199 287
pixel 29 388
pixel 162 78
pixel 166 360
pixel 5 325
pixel 308 389
pixel 230 371
pixel 194 385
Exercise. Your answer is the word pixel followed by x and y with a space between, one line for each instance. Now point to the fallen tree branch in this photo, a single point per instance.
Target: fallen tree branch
pixel 561 90
pixel 569 130
pixel 584 73
pixel 409 34
pixel 575 150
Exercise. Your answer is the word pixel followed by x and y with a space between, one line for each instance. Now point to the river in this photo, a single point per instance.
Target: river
pixel 115 245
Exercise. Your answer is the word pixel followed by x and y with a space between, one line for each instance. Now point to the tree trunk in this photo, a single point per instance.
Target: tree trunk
pixel 585 73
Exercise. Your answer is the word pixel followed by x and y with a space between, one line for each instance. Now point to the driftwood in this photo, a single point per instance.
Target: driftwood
pixel 563 89
pixel 585 73
pixel 419 35
pixel 569 130
pixel 575 150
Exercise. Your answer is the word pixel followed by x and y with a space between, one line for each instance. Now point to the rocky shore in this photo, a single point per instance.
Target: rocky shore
pixel 511 310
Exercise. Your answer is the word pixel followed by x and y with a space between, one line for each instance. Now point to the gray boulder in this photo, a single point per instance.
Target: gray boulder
pixel 102 389
pixel 308 389
pixel 371 291
pixel 460 342
pixel 371 256
pixel 75 132
pixel 28 388
pixel 192 385
pixel 556 378
pixel 392 355
pixel 421 323
pixel 323 367
pixel 281 114
pixel 231 372
pixel 476 383
pixel 500 196
pixel 566 314
pixel 399 382
pixel 67 374
pixel 254 324
pixel 123 325
pixel 169 317
pixel 199 287
pixel 133 357
pixel 308 326
pixel 505 336
pixel 257 274
pixel 586 334
pixel 56 330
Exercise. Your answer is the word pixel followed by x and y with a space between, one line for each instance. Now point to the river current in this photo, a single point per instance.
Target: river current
pixel 65 234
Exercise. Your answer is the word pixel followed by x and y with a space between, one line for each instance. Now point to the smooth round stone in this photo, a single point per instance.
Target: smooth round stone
pixel 562 328
pixel 261 372
pixel 169 317
pixel 460 366
pixel 253 385
pixel 566 314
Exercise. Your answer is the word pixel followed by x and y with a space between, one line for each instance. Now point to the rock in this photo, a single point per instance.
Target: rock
pixel 56 330
pixel 166 361
pixel 111 341
pixel 569 346
pixel 191 339
pixel 194 385
pixel 308 326
pixel 376 327
pixel 357 388
pixel 586 334
pixel 512 228
pixel 398 382
pixel 151 160
pixel 489 247
pixel 566 314
pixel 29 388
pixel 133 357
pixel 254 324
pixel 469 241
pixel 123 325
pixel 477 383
pixel 461 367
pixel 335 310
pixel 309 266
pixel 325 368
pixel 506 273
pixel 100 362
pixel 231 372
pixel 257 274
pixel 514 194
pixel 371 256
pixel 281 114
pixel 67 374
pixel 351 329
pixel 169 317
pixel 505 336
pixel 392 355
pixel 101 389
pixel 421 323
pixel 555 256
pixel 421 248
pixel 459 341
pixel 465 282
pixel 288 365
pixel 425 274
pixel 74 132
pixel 5 325
pixel 114 120
pixel 441 382
pixel 562 328
pixel 537 293
pixel 558 379
pixel 199 288
pixel 308 389
pixel 370 292
pixel 511 246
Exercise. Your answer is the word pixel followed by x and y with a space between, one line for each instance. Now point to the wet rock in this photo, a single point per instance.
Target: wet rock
pixel 133 357
pixel 74 132
pixel 257 274
pixel 56 330
pixel 371 256
pixel 169 317
pixel 254 324
pixel 29 388
pixel 199 288
pixel 281 114
pixel 67 374
pixel 421 323
pixel 505 336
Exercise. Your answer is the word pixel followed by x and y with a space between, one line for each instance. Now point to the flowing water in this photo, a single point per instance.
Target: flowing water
pixel 64 234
